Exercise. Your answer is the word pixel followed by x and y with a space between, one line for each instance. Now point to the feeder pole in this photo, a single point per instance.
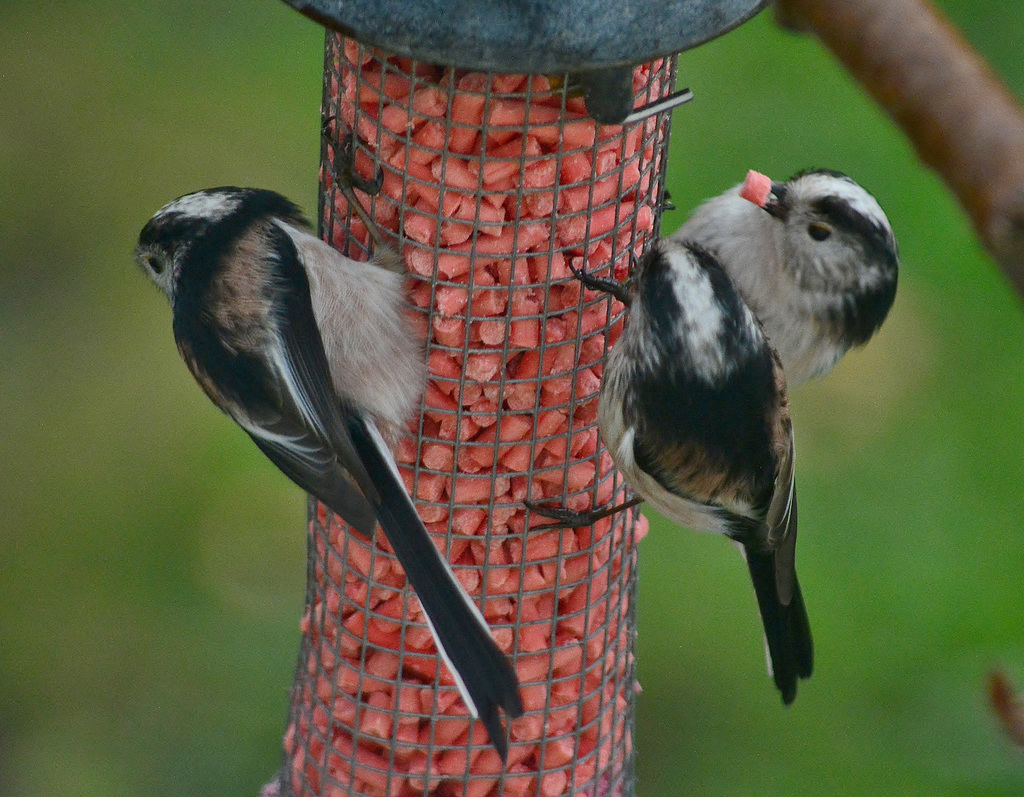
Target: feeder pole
pixel 496 183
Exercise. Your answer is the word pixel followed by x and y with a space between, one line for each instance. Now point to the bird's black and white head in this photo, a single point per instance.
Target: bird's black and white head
pixel 838 234
pixel 209 220
pixel 168 236
pixel 839 250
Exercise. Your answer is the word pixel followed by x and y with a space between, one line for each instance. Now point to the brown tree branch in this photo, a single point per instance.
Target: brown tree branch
pixel 1007 706
pixel 959 116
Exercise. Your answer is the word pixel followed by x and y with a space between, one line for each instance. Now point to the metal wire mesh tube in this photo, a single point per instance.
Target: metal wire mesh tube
pixel 493 185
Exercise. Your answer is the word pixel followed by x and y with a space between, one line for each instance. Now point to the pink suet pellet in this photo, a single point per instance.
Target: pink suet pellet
pixel 756 188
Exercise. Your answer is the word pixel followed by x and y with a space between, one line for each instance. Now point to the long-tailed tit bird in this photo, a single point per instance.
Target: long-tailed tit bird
pixel 814 257
pixel 695 414
pixel 310 353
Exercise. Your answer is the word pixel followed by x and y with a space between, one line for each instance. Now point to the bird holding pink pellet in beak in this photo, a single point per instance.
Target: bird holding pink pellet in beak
pixel 766 284
pixel 814 257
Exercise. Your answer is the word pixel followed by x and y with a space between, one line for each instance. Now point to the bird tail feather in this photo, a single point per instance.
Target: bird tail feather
pixel 484 675
pixel 787 630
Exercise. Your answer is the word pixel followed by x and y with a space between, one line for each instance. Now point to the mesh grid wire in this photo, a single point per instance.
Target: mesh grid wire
pixel 492 185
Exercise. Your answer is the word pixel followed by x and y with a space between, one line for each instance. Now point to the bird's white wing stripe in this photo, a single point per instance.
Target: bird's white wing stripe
pixel 283 364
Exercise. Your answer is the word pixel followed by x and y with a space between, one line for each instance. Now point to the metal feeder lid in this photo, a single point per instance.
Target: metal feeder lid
pixel 532 36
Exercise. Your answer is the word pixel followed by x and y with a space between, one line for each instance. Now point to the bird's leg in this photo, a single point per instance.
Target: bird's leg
pixel 569 519
pixel 344 169
pixel 346 179
pixel 620 290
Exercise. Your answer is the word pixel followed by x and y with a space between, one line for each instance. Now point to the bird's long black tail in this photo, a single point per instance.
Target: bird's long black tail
pixel 485 676
pixel 787 630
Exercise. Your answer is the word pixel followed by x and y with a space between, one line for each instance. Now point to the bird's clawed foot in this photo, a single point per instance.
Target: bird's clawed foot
pixel 609 285
pixel 344 165
pixel 569 519
pixel 346 178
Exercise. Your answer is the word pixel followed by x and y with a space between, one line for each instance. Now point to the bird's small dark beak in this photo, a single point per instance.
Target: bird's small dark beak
pixel 778 201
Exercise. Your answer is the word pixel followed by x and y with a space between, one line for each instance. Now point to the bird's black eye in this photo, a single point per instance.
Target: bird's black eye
pixel 154 264
pixel 819 232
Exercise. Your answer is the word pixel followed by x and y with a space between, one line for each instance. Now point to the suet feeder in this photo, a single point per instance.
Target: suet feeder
pixel 495 178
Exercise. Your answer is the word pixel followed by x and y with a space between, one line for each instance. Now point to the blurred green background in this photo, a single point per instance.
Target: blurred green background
pixel 152 562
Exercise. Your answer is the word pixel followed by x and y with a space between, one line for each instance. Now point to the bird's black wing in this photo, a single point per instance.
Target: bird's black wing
pixel 254 390
pixel 484 674
pixel 288 404
pixel 303 458
pixel 738 478
pixel 707 443
pixel 302 370
pixel 781 520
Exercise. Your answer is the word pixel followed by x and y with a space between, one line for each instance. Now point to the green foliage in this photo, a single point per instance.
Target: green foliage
pixel 153 562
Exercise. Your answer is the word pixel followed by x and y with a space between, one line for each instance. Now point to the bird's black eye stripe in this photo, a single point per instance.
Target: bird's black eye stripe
pixel 841 216
pixel 838 213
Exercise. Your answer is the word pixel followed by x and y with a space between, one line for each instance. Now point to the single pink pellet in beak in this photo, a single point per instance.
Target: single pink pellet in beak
pixel 756 188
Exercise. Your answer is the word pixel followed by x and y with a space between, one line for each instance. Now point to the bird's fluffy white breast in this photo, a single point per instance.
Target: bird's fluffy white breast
pixel 747 242
pixel 374 354
pixel 716 222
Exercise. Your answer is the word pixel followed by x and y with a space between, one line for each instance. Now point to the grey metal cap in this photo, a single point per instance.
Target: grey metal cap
pixel 532 36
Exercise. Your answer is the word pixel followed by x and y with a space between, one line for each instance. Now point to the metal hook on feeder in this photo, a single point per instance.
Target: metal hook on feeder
pixel 608 94
pixel 664 105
